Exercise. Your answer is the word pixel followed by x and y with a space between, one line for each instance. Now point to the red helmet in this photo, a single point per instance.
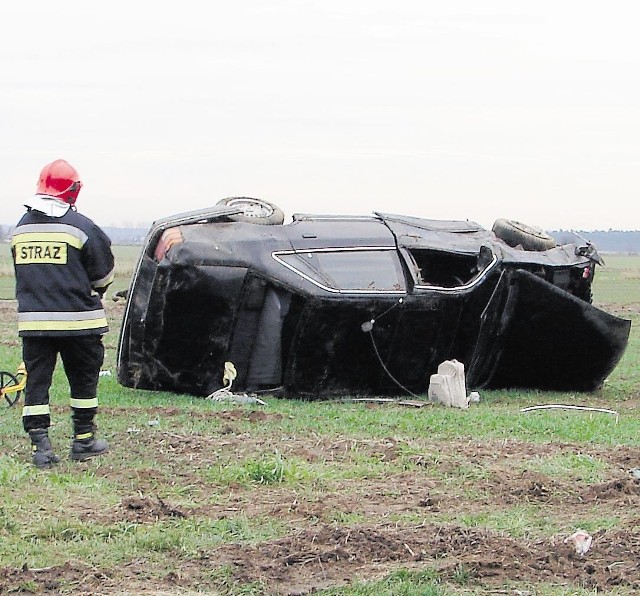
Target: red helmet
pixel 61 180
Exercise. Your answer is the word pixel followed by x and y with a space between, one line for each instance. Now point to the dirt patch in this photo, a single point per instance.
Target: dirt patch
pixel 326 556
pixel 320 550
pixel 336 555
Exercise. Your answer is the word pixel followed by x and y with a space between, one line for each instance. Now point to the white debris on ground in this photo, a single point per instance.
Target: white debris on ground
pixel 581 541
pixel 448 385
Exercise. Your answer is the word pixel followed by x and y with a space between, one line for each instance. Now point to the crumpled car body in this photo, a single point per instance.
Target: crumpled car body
pixel 328 306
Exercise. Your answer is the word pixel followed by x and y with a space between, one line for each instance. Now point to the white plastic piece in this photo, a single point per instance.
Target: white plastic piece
pixel 448 385
pixel 581 540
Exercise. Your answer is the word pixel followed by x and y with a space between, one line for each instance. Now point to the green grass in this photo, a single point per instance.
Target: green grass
pixel 565 465
pixel 266 469
pixel 618 281
pixel 401 583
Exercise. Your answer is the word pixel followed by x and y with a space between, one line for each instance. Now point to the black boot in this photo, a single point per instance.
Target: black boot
pixel 86 445
pixel 42 452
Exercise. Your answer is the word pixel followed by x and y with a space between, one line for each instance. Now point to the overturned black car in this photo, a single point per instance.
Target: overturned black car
pixel 360 305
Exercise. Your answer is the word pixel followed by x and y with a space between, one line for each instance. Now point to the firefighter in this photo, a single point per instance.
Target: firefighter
pixel 63 265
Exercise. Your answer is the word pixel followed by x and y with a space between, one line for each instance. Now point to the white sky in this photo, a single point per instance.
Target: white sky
pixel 440 109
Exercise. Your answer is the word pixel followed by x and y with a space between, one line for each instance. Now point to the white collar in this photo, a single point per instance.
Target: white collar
pixel 51 206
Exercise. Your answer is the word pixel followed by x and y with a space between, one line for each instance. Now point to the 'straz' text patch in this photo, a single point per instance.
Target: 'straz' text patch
pixel 41 252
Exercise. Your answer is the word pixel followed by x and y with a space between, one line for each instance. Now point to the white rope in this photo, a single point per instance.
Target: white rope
pixel 568 407
pixel 225 394
pixel 220 394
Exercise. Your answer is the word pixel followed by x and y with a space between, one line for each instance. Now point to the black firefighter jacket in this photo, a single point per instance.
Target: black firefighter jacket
pixel 63 266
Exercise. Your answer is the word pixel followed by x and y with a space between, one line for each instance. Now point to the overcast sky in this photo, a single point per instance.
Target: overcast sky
pixel 441 109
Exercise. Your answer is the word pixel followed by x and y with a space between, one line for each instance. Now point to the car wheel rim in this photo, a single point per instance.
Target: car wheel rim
pixel 252 208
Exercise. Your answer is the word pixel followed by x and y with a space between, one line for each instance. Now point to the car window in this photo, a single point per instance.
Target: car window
pixel 447 270
pixel 362 270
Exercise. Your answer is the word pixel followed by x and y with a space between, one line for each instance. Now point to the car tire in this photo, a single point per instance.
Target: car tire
pixel 515 233
pixel 256 211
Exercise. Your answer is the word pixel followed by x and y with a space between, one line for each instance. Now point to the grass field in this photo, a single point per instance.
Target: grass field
pixel 332 498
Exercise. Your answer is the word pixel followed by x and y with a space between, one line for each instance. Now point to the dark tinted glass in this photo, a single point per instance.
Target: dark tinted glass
pixel 374 270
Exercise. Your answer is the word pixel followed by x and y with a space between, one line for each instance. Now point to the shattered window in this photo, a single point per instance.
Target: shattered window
pixel 349 270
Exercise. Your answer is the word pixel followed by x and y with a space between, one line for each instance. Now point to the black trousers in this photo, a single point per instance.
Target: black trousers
pixel 82 357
